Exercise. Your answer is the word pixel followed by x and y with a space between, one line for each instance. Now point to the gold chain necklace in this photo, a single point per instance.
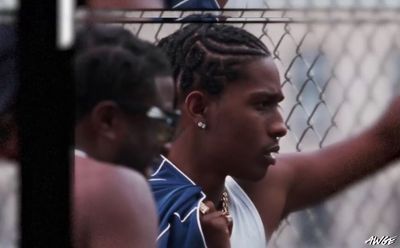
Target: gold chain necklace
pixel 225 203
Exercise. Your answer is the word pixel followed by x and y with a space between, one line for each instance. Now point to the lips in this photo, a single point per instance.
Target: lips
pixel 270 159
pixel 270 154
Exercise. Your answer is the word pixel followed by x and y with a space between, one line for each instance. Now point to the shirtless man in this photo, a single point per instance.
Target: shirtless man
pixel 120 123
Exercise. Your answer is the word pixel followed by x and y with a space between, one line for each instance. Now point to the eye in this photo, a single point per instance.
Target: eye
pixel 266 105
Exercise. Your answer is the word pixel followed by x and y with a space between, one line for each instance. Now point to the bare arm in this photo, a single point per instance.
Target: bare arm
pixel 318 175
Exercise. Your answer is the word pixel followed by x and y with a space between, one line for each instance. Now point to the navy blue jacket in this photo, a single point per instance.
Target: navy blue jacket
pixel 177 199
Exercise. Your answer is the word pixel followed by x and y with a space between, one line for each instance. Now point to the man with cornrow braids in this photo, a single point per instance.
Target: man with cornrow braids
pixel 228 92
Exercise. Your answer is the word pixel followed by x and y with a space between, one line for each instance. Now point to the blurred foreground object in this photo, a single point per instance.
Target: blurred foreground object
pixel 8 139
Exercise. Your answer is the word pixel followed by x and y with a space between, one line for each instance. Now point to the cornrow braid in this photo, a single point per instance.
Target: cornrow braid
pixel 205 55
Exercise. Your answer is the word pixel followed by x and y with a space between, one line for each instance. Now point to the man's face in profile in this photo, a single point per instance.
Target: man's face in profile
pixel 144 134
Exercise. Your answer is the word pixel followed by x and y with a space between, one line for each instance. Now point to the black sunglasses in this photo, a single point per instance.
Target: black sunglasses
pixel 168 118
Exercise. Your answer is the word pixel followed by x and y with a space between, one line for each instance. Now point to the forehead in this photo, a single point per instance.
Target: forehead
pixel 260 76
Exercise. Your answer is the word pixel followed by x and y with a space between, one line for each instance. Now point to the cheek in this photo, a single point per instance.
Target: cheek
pixel 139 148
pixel 143 138
pixel 239 132
pixel 136 139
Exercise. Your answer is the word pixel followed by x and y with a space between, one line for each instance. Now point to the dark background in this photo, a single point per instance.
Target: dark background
pixel 45 118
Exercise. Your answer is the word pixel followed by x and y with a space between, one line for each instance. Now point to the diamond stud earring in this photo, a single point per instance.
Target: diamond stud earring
pixel 201 125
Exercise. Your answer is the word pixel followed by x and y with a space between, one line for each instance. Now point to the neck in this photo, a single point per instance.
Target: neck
pixel 88 143
pixel 198 167
pixel 81 143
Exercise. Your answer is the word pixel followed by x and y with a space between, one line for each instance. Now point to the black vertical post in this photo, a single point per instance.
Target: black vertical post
pixel 44 115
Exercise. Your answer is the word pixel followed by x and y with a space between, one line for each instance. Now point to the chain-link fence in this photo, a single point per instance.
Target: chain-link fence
pixel 264 4
pixel 339 68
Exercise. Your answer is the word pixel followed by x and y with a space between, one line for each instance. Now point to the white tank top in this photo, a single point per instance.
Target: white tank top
pixel 250 232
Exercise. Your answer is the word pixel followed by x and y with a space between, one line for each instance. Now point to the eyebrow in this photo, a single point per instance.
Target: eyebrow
pixel 278 96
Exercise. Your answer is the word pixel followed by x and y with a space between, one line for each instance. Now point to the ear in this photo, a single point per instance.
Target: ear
pixel 104 118
pixel 196 104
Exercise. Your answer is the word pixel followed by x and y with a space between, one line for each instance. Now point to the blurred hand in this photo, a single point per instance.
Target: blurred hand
pixel 216 227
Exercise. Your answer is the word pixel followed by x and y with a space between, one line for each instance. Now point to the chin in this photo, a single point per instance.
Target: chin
pixel 253 175
pixel 259 176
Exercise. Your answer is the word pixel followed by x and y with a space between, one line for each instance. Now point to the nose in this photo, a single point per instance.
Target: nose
pixel 278 128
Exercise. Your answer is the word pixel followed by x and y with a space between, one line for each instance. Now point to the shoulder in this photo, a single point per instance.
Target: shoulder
pixel 100 175
pixel 98 182
pixel 112 202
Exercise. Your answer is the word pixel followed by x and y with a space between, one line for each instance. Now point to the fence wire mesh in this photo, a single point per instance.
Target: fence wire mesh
pixel 264 4
pixel 339 69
